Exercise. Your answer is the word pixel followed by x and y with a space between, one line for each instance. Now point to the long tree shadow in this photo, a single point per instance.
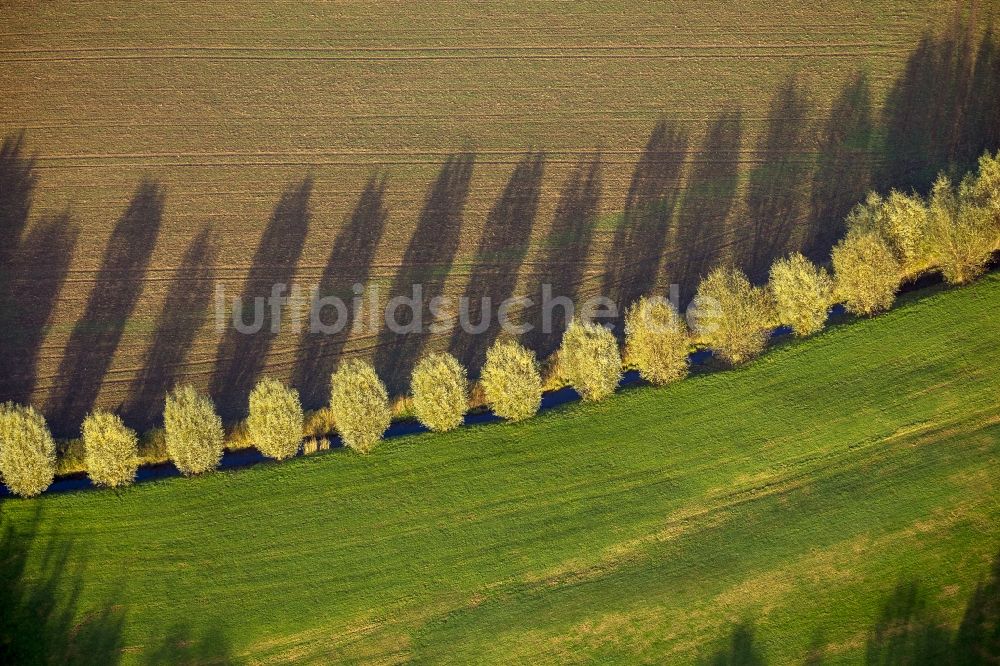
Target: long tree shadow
pixel 977 640
pixel 776 187
pixel 36 276
pixel 843 173
pixel 95 337
pixel 30 274
pixel 943 110
pixel 981 129
pixel 639 242
pixel 708 200
pixel 17 183
pixel 40 622
pixel 242 355
pixel 184 311
pixel 183 645
pixel 908 630
pixel 738 649
pixel 567 248
pixel 349 263
pixel 423 271
pixel 501 251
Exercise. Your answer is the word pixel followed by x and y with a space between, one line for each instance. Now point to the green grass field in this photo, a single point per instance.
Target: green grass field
pixel 786 499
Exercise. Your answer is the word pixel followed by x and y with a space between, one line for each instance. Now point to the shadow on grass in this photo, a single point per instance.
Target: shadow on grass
pixel 42 622
pixel 908 631
pixel 185 645
pixel 738 649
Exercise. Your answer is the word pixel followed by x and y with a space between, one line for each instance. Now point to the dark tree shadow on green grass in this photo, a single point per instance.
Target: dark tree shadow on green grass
pixel 184 645
pixel 40 615
pixel 738 649
pixel 908 631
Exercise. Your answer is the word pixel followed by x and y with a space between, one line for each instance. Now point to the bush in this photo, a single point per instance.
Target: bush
pixel 360 405
pixel 962 236
pixel 867 274
pixel 511 381
pixel 656 341
pixel 111 450
pixel 985 187
pixel 802 294
pixel 192 431
pixel 734 317
pixel 27 450
pixel 275 421
pixel 590 360
pixel 440 392
pixel 902 222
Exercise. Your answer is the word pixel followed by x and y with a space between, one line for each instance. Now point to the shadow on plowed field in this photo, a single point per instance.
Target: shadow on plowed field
pixel 241 358
pixel 349 263
pixel 564 258
pixel 632 266
pixel 501 251
pixel 184 311
pixel 686 210
pixel 426 261
pixel 113 298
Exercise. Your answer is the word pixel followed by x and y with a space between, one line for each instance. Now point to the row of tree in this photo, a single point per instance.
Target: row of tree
pixel 955 230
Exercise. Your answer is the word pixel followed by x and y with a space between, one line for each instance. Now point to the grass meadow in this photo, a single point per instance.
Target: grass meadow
pixel 777 511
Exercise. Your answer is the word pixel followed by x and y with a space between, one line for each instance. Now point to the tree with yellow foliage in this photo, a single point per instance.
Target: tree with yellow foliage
pixel 111 450
pixel 360 405
pixel 656 341
pixel 802 294
pixel 511 381
pixel 440 392
pixel 275 421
